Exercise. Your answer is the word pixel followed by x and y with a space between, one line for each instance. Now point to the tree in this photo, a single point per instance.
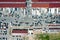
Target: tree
pixel 25 38
pixel 41 37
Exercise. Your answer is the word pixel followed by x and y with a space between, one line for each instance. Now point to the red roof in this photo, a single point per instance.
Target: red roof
pixel 32 0
pixel 19 31
pixel 8 3
pixel 33 5
pixel 13 5
pixel 40 5
pixel 12 0
pixel 54 25
pixel 54 5
pixel 46 0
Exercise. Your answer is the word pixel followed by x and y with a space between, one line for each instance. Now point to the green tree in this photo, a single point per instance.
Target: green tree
pixel 41 37
pixel 25 38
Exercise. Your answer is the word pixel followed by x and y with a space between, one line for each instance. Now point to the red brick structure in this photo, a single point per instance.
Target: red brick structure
pixel 23 5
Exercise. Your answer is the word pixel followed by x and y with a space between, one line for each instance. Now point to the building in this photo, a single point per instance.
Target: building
pixel 21 19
